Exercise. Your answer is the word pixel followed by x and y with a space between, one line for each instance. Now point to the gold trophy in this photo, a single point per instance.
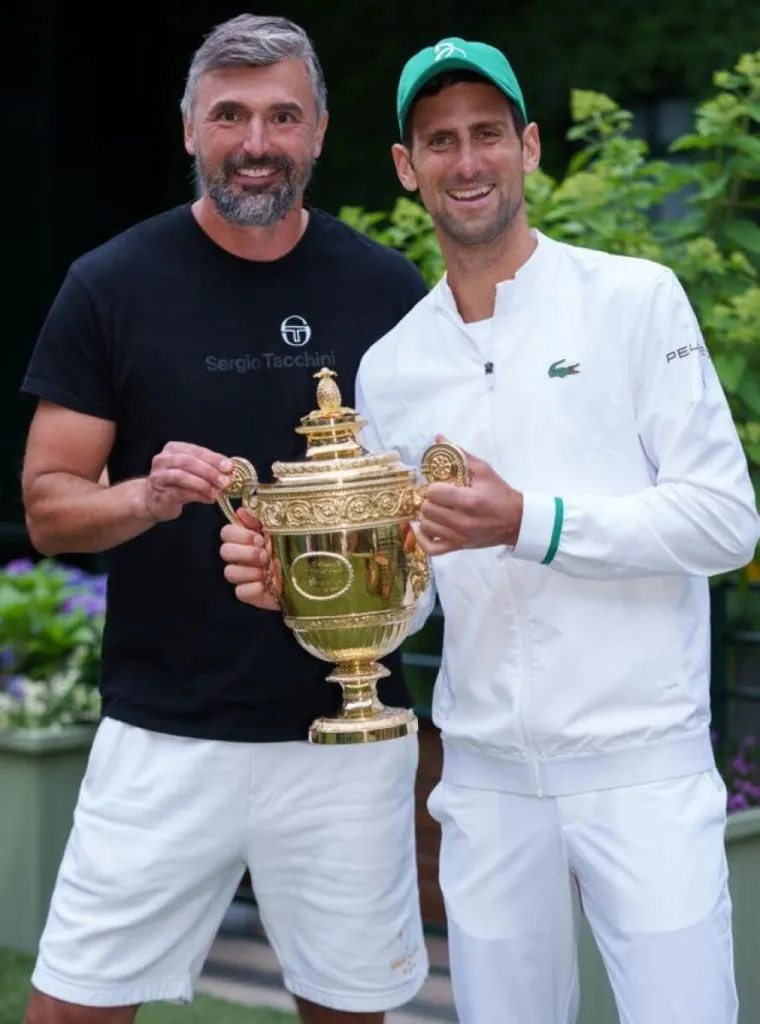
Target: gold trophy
pixel 347 570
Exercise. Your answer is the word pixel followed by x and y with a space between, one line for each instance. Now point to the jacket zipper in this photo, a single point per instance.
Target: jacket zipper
pixel 526 688
pixel 516 597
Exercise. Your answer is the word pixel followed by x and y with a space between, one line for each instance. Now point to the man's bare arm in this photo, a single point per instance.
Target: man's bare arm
pixel 69 505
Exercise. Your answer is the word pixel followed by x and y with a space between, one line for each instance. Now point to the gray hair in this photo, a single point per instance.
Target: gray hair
pixel 253 41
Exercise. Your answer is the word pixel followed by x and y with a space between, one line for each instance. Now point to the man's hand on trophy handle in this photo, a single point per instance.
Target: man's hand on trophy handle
pixel 243 482
pixel 182 473
pixel 485 513
pixel 250 566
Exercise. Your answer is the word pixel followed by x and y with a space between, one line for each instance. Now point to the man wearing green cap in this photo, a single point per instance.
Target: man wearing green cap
pixel 607 483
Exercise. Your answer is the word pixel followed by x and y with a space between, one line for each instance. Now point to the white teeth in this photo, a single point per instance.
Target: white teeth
pixel 470 193
pixel 256 172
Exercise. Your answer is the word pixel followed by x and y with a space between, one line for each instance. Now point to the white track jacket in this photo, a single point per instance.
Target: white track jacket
pixel 578 660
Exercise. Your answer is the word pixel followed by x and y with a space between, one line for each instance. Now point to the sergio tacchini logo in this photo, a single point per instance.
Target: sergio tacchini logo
pixel 295 331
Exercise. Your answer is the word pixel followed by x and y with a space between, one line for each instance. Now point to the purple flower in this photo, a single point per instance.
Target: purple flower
pixel 14 687
pixel 737 802
pixel 7 657
pixel 90 604
pixel 740 765
pixel 76 577
pixel 98 584
pixel 19 566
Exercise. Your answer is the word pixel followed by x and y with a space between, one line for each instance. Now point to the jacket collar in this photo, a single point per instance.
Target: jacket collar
pixel 512 293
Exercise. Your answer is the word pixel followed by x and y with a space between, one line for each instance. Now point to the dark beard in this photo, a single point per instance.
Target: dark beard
pixel 257 206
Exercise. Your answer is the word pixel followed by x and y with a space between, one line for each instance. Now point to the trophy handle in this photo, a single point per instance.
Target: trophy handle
pixel 243 483
pixel 442 463
pixel 445 463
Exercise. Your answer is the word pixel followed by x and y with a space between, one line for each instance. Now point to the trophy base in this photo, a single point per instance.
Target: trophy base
pixel 386 724
pixel 362 718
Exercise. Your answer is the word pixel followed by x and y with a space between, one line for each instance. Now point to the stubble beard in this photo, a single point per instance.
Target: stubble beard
pixel 480 234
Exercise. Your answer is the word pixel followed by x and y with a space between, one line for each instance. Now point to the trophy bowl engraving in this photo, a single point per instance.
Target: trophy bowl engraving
pixel 348 568
pixel 321 575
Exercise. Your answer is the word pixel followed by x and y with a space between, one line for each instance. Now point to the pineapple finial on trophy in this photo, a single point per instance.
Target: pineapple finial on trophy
pixel 329 398
pixel 331 428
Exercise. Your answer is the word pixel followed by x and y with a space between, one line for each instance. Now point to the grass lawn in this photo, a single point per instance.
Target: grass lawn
pixel 15 969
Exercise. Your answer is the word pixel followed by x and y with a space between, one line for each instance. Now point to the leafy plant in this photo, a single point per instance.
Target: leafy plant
pixel 51 625
pixel 407 227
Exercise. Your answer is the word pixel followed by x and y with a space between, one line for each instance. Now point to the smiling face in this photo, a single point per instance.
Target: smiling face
pixel 468 162
pixel 255 135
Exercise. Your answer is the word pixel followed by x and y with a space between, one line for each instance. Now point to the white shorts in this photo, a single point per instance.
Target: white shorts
pixel 645 863
pixel 165 827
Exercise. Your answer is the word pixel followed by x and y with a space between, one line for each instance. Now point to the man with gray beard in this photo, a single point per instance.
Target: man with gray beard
pixel 192 337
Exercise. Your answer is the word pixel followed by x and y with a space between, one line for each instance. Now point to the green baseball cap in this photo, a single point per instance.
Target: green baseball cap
pixel 450 54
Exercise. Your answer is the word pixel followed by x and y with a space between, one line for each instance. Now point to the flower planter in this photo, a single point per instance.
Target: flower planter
pixel 40 774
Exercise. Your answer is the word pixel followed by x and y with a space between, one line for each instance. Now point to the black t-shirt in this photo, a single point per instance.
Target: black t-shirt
pixel 174 339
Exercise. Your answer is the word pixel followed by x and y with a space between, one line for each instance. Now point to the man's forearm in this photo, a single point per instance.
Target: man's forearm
pixel 68 514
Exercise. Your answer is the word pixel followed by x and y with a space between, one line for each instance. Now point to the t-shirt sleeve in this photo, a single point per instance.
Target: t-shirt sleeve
pixel 70 364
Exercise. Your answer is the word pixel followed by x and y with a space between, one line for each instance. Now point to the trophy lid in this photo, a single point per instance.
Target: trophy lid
pixel 334 452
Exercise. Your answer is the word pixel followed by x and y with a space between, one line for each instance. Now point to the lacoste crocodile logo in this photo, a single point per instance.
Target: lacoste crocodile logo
pixel 558 370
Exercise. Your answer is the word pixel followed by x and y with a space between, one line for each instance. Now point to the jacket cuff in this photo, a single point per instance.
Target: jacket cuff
pixel 540 529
